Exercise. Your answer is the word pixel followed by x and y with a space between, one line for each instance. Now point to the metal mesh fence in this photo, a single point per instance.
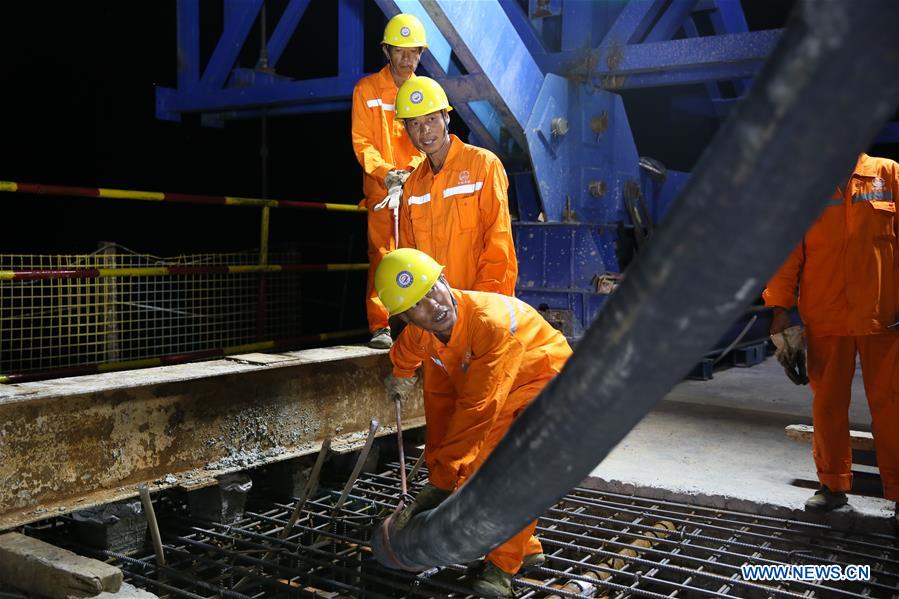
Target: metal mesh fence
pixel 64 322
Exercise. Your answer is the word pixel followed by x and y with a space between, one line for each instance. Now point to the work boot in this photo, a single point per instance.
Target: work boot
pixel 825 500
pixel 381 339
pixel 533 560
pixel 492 582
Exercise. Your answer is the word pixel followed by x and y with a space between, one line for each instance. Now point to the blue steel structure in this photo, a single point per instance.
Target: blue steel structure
pixel 536 82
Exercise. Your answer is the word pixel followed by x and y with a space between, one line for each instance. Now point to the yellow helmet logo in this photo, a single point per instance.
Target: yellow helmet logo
pixel 405 31
pixel 419 96
pixel 405 276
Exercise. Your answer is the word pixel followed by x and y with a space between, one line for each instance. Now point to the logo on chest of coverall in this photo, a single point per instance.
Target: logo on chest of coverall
pixel 416 97
pixel 878 183
pixel 404 278
pixel 464 177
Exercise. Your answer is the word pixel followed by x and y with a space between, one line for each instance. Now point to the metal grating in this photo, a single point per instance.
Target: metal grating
pixel 598 545
pixel 65 322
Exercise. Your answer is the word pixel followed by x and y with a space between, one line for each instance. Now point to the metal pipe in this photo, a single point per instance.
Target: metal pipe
pixel 373 427
pixel 765 177
pixel 151 523
pixel 163 196
pixel 178 271
pixel 308 489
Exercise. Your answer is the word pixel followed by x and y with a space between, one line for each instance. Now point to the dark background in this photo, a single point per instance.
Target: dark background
pixel 78 98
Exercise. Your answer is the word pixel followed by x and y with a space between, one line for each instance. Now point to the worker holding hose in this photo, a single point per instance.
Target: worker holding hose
pixel 497 354
pixel 845 272
pixel 385 153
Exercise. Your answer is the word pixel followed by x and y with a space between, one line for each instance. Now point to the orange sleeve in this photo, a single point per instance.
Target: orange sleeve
pixel 783 288
pixel 414 162
pixel 363 133
pixel 407 353
pixel 497 266
pixel 488 381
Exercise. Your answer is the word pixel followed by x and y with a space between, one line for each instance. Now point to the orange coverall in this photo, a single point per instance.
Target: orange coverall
pixel 381 145
pixel 847 272
pixel 460 217
pixel 500 355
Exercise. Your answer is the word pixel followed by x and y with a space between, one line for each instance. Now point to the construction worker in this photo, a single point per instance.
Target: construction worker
pixel 455 205
pixel 846 270
pixel 498 353
pixel 384 151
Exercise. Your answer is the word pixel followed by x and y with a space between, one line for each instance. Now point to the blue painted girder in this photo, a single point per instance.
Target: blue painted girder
pixel 673 62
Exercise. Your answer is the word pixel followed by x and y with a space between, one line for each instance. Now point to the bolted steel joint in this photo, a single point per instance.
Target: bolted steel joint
pixel 600 123
pixel 559 126
pixel 597 188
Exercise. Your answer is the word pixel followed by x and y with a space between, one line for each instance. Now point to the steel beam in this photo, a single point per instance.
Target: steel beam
pixel 674 62
pixel 671 19
pixel 71 443
pixel 239 18
pixel 287 24
pixel 633 23
pixel 485 41
pixel 188 16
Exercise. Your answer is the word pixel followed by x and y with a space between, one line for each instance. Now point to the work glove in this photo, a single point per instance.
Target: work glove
pixel 394 183
pixel 400 387
pixel 396 178
pixel 428 498
pixel 790 353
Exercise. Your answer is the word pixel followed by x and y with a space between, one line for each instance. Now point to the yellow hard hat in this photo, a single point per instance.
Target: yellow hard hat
pixel 419 96
pixel 403 277
pixel 405 31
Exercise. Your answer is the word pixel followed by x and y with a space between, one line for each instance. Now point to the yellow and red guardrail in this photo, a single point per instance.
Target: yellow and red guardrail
pixel 155 271
pixel 161 196
pixel 180 198
pixel 169 360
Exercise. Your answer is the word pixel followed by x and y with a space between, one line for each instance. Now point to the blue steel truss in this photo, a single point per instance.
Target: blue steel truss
pixel 537 86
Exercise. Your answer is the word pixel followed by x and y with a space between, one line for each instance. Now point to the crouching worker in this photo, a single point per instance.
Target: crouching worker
pixel 498 353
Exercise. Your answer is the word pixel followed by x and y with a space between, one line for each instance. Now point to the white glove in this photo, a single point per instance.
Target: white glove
pixel 402 388
pixel 790 353
pixel 392 200
pixel 396 177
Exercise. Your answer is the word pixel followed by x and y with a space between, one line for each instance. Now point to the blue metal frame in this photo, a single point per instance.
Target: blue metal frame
pixel 535 85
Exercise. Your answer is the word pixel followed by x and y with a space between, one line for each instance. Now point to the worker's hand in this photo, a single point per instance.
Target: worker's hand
pixel 396 178
pixel 780 320
pixel 790 353
pixel 400 388
pixel 428 498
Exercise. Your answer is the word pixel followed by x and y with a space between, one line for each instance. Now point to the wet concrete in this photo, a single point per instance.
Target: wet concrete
pixel 721 443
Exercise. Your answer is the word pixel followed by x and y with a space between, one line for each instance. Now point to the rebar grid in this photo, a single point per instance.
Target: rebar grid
pixel 598 544
pixel 65 322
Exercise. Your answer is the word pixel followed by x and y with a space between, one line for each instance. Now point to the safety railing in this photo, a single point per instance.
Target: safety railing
pixel 115 309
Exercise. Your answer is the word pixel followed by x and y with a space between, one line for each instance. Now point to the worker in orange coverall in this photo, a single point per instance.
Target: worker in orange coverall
pixel 455 206
pixel 847 272
pixel 498 353
pixel 385 153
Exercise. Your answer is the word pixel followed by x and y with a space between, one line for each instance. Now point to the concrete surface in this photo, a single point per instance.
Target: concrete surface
pixel 32 565
pixel 721 443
